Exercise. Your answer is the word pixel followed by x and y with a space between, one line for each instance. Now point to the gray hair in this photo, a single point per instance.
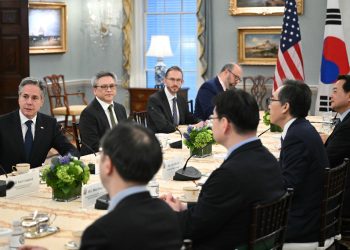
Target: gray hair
pixel 32 81
pixel 103 74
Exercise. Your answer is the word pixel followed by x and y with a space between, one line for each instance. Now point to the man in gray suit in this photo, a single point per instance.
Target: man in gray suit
pixel 102 113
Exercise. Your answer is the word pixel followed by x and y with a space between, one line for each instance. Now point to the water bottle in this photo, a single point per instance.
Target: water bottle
pixel 17 237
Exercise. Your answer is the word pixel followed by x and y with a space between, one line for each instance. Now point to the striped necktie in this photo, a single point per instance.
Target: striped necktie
pixel 111 116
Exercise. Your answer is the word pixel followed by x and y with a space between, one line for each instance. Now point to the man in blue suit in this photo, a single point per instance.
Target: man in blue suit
pixel 229 76
pixel 303 159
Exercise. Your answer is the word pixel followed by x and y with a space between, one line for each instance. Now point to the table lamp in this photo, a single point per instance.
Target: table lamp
pixel 160 48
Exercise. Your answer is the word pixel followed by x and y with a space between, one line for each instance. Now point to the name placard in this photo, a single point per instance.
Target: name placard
pixel 24 183
pixel 90 193
pixel 171 166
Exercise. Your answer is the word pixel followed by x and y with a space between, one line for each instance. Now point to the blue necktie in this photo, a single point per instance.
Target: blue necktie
pixel 28 139
pixel 176 120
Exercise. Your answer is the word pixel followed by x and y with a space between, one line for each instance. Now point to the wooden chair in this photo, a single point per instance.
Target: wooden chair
pixel 331 209
pixel 269 223
pixel 190 105
pixel 76 134
pixel 258 89
pixel 140 117
pixel 58 98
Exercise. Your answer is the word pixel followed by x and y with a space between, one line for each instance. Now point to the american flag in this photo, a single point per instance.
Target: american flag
pixel 289 60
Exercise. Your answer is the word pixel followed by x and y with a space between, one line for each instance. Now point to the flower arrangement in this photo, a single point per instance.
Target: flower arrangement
pixel 65 176
pixel 197 138
pixel 267 122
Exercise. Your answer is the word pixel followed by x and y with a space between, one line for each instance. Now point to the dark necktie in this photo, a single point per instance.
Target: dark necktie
pixel 336 121
pixel 28 139
pixel 175 118
pixel 111 116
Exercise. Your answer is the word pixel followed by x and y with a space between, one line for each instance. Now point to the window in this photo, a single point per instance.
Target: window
pixel 176 19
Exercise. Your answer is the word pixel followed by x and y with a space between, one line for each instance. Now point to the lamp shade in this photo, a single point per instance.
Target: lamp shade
pixel 160 47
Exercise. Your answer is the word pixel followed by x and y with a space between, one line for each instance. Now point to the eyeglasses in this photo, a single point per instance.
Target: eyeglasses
pixel 212 117
pixel 178 80
pixel 271 99
pixel 106 86
pixel 237 78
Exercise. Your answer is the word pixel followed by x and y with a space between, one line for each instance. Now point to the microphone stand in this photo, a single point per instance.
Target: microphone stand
pixel 64 130
pixel 177 144
pixel 187 173
pixel 263 132
pixel 3 185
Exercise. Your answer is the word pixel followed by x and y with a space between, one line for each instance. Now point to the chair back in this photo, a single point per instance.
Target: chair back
pixel 258 89
pixel 56 93
pixel 269 223
pixel 332 201
pixel 190 105
pixel 76 134
pixel 140 117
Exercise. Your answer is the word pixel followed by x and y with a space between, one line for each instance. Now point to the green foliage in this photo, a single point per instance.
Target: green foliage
pixel 66 173
pixel 266 118
pixel 198 137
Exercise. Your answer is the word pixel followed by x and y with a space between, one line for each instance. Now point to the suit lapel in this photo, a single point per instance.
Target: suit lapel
pixel 181 110
pixel 39 134
pixel 101 114
pixel 17 133
pixel 339 125
pixel 165 101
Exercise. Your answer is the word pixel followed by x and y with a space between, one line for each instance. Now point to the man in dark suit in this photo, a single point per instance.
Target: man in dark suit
pixel 338 143
pixel 135 220
pixel 166 109
pixel 229 76
pixel 26 136
pixel 250 174
pixel 101 114
pixel 302 159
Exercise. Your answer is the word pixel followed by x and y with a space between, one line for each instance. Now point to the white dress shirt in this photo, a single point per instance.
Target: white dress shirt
pixel 105 108
pixel 24 126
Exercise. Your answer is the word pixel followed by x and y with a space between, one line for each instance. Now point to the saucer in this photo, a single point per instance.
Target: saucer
pixel 71 245
pixel 183 199
pixel 34 235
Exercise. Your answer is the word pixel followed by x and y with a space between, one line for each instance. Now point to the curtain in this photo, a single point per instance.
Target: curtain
pixel 127 28
pixel 204 33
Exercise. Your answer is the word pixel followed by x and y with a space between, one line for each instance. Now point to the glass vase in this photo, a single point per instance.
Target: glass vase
pixel 72 194
pixel 202 152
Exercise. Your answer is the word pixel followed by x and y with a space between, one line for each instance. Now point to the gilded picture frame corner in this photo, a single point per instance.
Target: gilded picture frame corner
pixel 47 35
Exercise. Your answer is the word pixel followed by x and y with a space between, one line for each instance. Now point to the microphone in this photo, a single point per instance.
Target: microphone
pixel 177 144
pixel 3 185
pixel 263 132
pixel 64 130
pixel 187 173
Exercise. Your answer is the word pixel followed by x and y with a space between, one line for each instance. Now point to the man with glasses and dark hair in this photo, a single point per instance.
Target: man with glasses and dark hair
pixel 249 175
pixel 166 109
pixel 229 76
pixel 303 159
pixel 338 143
pixel 102 113
pixel 26 135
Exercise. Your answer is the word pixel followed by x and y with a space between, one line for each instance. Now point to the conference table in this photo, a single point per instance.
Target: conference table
pixel 71 217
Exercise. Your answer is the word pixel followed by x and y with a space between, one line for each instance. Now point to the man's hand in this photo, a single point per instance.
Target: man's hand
pixel 173 202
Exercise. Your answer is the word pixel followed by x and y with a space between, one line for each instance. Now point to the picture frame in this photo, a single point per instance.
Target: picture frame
pixel 261 7
pixel 47 28
pixel 258 45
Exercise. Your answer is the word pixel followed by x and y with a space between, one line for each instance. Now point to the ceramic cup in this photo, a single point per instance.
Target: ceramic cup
pixel 191 193
pixel 21 168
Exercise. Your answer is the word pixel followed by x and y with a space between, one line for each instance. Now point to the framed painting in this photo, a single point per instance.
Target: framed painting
pixel 47 28
pixel 261 7
pixel 258 45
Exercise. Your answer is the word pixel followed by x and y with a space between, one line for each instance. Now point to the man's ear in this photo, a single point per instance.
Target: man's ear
pixel 108 165
pixel 285 108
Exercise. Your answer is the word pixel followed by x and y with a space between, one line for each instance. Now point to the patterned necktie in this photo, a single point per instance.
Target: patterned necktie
pixel 111 116
pixel 28 139
pixel 175 118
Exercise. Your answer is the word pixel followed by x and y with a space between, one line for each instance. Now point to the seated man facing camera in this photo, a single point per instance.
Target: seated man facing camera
pixel 134 220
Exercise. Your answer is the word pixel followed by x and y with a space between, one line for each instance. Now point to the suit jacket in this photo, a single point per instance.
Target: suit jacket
pixel 94 123
pixel 221 217
pixel 137 222
pixel 338 148
pixel 160 117
pixel 303 159
pixel 204 101
pixel 47 135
